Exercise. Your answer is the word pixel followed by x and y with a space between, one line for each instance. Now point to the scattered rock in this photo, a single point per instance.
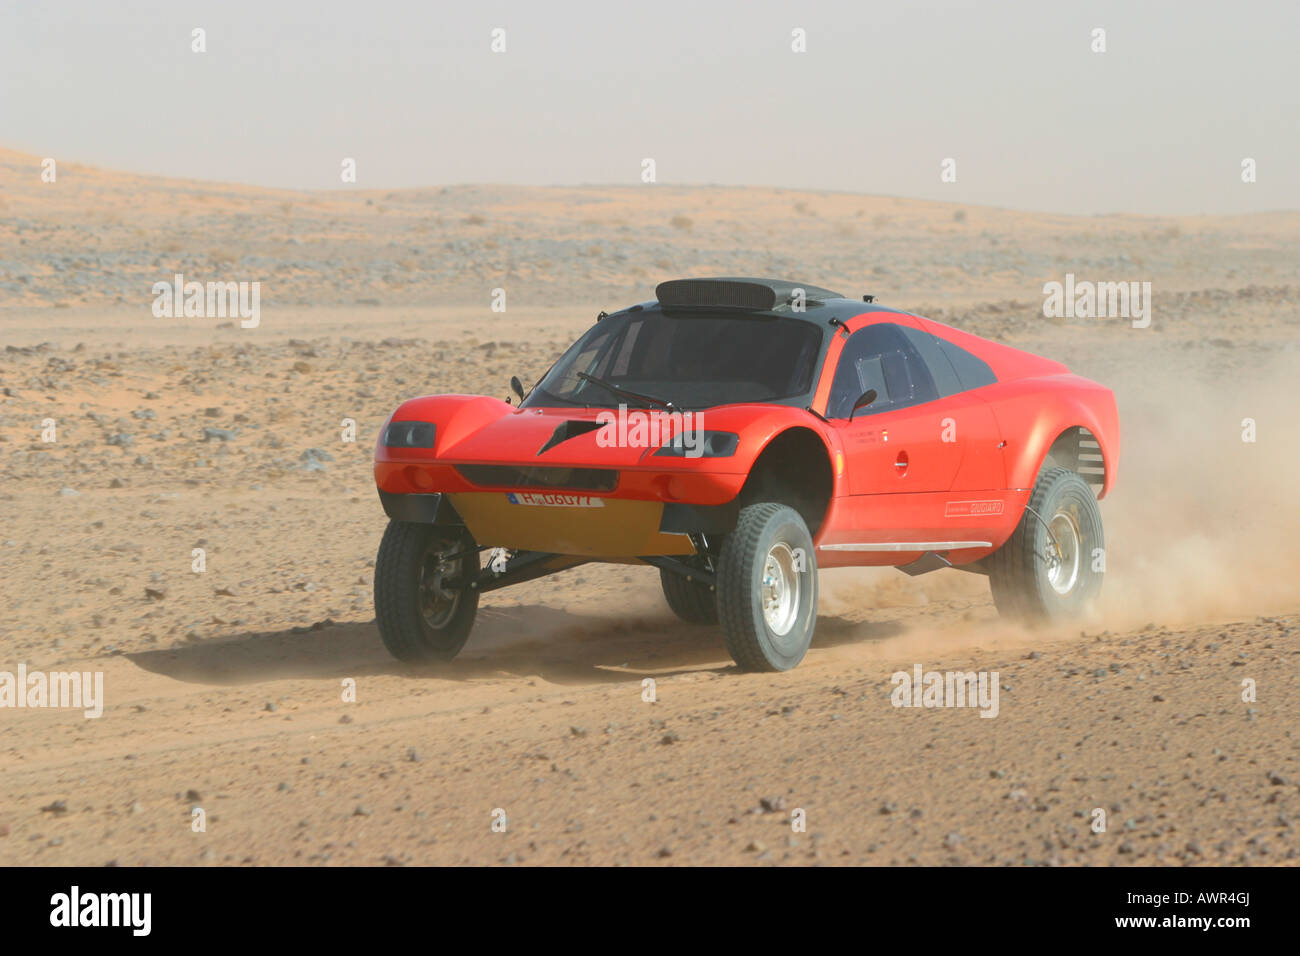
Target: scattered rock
pixel 772 804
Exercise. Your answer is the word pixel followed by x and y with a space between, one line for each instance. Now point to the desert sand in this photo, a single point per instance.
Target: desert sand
pixel 224 689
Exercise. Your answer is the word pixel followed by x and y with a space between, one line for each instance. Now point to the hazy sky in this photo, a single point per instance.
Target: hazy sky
pixel 1159 123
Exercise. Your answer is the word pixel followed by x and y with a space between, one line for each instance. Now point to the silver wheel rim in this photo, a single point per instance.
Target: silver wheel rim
pixel 1063 553
pixel 779 590
pixel 437 603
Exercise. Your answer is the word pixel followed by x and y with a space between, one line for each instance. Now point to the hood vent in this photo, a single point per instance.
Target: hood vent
pixel 567 430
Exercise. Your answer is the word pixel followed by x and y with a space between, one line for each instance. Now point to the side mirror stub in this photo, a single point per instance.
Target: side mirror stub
pixel 865 399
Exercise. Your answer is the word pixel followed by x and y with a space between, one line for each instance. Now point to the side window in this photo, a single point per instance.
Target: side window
pixel 974 372
pixel 954 369
pixel 927 346
pixel 879 357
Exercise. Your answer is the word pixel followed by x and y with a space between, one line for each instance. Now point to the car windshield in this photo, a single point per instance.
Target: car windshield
pixel 693 360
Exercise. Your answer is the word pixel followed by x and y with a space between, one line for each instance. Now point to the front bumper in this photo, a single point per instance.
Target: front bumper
pixel 646 512
pixel 620 527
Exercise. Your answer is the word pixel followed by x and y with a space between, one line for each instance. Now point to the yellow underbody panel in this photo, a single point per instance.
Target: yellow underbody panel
pixel 567 523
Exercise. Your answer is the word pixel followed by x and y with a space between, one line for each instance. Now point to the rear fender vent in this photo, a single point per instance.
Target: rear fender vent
pixel 1078 450
pixel 1091 465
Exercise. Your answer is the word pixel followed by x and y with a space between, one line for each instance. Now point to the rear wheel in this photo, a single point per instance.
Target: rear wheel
pixel 423 608
pixel 1050 569
pixel 692 601
pixel 767 588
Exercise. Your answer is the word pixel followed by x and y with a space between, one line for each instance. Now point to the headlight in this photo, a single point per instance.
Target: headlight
pixel 701 444
pixel 409 435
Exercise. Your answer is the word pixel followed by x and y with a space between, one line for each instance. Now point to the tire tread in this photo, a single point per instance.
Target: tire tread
pixel 735 570
pixel 400 626
pixel 1014 566
pixel 691 601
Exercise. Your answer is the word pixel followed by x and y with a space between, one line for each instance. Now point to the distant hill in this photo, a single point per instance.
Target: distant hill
pixel 98 237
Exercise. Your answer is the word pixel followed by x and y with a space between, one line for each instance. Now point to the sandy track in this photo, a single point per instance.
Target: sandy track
pixel 1147 725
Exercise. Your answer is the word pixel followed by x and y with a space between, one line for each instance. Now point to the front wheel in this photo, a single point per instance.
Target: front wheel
pixel 767 588
pixel 423 608
pixel 1051 568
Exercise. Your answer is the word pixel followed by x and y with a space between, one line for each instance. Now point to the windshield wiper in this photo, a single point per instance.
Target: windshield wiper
pixel 627 393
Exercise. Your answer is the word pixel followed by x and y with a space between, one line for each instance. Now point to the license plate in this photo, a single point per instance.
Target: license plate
pixel 554 499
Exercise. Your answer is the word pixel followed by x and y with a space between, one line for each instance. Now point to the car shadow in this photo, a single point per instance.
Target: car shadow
pixel 558 646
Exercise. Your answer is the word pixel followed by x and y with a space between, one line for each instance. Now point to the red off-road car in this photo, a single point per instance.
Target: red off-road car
pixel 739 434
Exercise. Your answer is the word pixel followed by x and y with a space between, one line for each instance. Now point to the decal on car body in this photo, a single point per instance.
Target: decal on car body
pixel 958 509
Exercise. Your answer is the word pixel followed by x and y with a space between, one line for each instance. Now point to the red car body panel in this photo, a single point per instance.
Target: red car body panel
pixel 950 475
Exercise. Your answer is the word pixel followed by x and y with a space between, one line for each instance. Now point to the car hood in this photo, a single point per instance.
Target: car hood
pixel 551 436
pixel 488 431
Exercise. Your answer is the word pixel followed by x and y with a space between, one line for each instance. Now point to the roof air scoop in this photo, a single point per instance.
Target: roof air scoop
pixel 748 295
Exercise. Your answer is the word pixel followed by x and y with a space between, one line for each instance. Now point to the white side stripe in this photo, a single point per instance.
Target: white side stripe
pixel 908 546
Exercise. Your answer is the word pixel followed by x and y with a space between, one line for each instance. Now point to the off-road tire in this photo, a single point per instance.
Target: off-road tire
pixel 751 640
pixel 1020 572
pixel 404 627
pixel 692 601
